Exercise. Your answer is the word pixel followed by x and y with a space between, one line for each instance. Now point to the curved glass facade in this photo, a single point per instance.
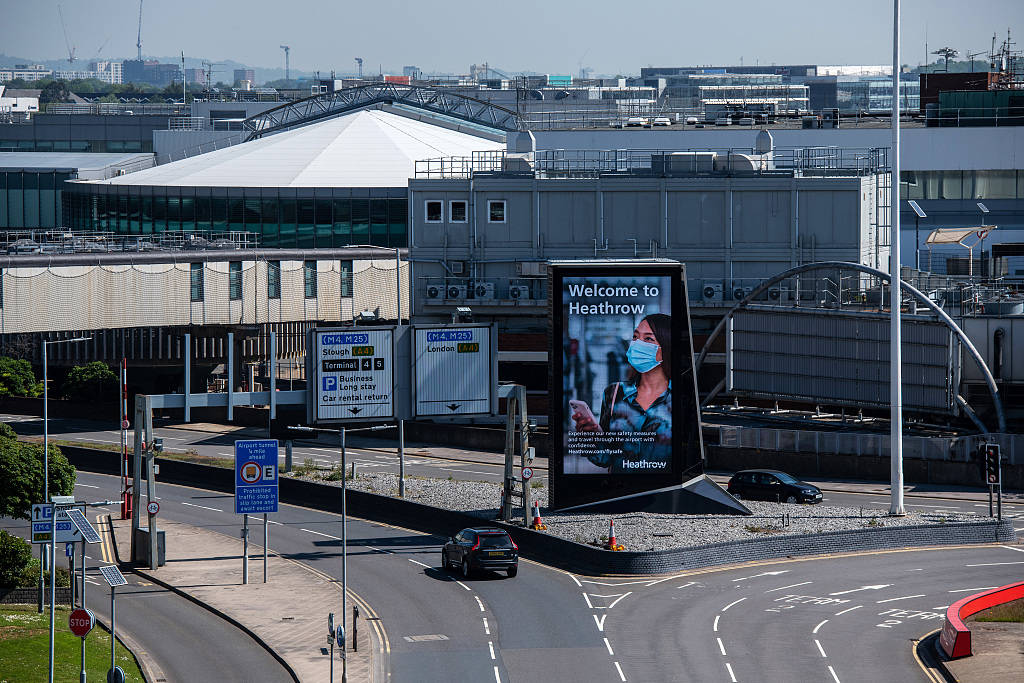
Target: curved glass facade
pixel 285 217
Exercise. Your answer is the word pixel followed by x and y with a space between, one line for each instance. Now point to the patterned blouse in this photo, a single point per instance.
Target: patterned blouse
pixel 649 446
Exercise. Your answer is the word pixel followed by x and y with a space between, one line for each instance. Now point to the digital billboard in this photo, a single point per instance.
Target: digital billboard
pixel 624 415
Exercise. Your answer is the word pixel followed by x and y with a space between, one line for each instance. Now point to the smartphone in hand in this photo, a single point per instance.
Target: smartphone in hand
pixel 581 409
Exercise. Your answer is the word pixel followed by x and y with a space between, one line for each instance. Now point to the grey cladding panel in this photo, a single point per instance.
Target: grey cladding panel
pixel 696 219
pixel 568 218
pixel 761 217
pixel 831 218
pixel 632 215
pixel 838 359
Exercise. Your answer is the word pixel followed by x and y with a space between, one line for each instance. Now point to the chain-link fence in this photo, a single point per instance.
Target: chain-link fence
pixel 962 448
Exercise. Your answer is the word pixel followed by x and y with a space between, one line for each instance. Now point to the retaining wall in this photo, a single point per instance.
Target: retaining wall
pixel 556 551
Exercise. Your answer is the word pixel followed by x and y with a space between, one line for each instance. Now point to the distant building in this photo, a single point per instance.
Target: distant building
pixel 413 72
pixel 151 72
pixel 25 72
pixel 195 76
pixel 244 75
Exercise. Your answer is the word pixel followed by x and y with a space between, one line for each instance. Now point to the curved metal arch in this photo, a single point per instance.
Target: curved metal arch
pixel 436 100
pixel 843 265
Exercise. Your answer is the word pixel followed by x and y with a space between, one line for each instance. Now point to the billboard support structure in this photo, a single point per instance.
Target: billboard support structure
pixel 517 438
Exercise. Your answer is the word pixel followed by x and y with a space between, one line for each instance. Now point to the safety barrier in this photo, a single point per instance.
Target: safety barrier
pixel 956 637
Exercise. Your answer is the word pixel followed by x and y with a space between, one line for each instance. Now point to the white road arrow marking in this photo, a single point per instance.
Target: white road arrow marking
pixel 863 588
pixel 784 571
pixel 600 622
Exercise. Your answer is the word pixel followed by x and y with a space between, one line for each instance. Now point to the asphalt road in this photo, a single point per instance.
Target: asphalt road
pixel 532 627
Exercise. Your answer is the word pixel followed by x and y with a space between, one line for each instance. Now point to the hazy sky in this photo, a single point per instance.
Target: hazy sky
pixel 552 36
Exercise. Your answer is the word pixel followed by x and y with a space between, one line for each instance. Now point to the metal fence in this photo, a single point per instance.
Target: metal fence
pixel 956 449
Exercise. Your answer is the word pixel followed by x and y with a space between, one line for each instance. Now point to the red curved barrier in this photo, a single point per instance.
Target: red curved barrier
pixel 956 637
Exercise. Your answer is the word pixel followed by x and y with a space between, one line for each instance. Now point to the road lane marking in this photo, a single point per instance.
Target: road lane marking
pixel 622 676
pixel 420 563
pixel 310 531
pixel 833 672
pixel 905 597
pixel 574 579
pixel 497 676
pixel 616 601
pixel 820 648
pixel 193 505
pixel 1010 547
pixel 992 564
pixel 87 486
pixel 732 676
pixel 721 645
pixel 600 622
pixel 745 578
pixel 688 584
pixel 587 598
pixel 490 646
pixel 487 627
pixel 609 646
pixel 478 602
pixel 792 585
pixel 260 519
pixel 968 590
pixel 714 627
pixel 733 603
pixel 849 609
pixel 464 585
pixel 819 626
pixel 863 588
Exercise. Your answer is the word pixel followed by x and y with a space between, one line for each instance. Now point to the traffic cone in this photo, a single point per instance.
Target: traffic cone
pixel 611 534
pixel 537 522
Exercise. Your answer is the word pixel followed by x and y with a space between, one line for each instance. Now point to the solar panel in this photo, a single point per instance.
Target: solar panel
pixel 79 520
pixel 113 576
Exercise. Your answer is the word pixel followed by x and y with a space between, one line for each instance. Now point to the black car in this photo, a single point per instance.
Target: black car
pixel 481 548
pixel 773 485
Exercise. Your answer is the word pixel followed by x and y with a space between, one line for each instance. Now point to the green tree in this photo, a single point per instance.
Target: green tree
pixel 21 476
pixel 92 381
pixel 15 556
pixel 54 91
pixel 17 379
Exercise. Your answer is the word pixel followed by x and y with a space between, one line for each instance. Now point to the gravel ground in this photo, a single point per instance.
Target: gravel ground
pixel 642 530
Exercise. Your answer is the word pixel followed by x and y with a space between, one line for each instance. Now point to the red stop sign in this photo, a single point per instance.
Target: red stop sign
pixel 81 622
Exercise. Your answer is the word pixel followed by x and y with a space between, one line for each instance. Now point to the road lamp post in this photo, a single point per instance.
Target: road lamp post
pixel 895 334
pixel 46 491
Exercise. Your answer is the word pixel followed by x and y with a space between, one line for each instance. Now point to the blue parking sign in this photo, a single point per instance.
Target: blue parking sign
pixel 256 476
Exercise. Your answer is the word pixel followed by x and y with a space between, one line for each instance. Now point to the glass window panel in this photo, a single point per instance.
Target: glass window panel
pixel 379 221
pixel 159 213
pixel 220 213
pixel 123 215
pixel 324 222
pixel 49 208
pixel 174 214
pixel 188 214
pixel 995 185
pixel 309 279
pixel 196 282
pixel 306 226
pixel 135 214
pixel 204 217
pixel 269 214
pixel 398 215
pixel 273 279
pixel 360 221
pixel 235 280
pixel 3 200
pixel 346 278
pixel 236 220
pixel 342 222
pixel 147 213
pixel 15 200
pixel 252 214
pixel 286 235
pixel 31 200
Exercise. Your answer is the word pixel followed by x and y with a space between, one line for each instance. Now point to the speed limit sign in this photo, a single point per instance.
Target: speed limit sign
pixel 153 508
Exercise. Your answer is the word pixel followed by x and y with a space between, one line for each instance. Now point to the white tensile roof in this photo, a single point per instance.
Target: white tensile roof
pixel 368 148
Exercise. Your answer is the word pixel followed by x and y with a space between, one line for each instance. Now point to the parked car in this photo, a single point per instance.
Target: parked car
pixel 634 121
pixel 723 121
pixel 773 485
pixel 661 121
pixel 691 120
pixel 479 548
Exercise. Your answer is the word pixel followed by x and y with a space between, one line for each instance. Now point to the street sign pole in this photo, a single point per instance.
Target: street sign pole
pixel 266 542
pixel 401 458
pixel 245 549
pixel 113 630
pixel 53 579
pixel 344 557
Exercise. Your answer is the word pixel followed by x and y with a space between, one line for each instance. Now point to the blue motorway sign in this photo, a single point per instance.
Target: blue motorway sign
pixel 256 476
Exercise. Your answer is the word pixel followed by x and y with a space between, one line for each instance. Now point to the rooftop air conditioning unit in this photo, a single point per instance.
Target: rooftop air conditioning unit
pixel 518 292
pixel 434 291
pixel 484 290
pixel 738 293
pixel 455 292
pixel 774 294
pixel 712 291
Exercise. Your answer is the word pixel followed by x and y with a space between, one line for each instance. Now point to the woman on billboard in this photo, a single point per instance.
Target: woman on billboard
pixel 640 408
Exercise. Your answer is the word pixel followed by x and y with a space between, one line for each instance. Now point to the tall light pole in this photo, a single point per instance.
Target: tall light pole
pixel 46 488
pixel 895 355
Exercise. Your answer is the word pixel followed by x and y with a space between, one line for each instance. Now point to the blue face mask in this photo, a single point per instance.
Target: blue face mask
pixel 643 356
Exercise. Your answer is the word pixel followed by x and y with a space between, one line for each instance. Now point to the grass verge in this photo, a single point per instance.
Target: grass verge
pixel 1011 611
pixel 25 646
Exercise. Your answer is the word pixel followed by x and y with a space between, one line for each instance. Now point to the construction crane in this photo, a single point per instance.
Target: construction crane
pixel 99 52
pixel 947 53
pixel 67 42
pixel 359 63
pixel 287 66
pixel 138 41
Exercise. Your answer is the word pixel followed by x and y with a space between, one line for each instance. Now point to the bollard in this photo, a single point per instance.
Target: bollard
pixel 288 455
pixel 355 628
pixel 353 471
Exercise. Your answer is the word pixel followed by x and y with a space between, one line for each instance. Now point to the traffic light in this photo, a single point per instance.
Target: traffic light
pixel 992 463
